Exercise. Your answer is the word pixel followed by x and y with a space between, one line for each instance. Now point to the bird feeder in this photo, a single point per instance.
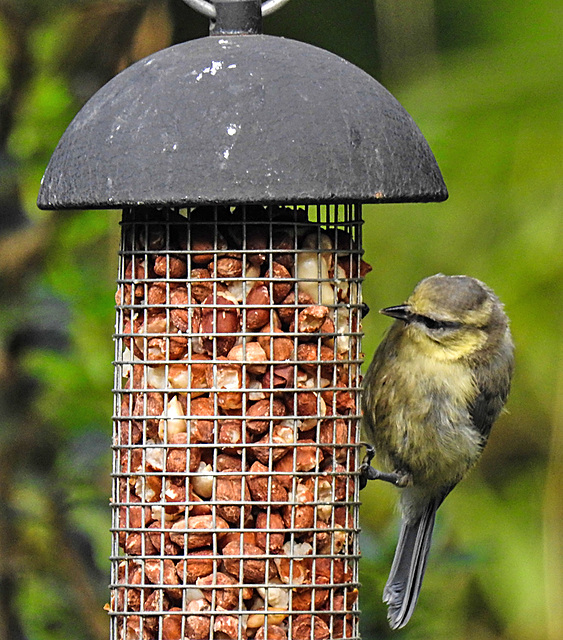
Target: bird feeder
pixel 241 162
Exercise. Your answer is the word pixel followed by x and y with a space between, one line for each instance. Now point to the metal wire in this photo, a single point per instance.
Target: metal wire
pixel 236 423
pixel 208 10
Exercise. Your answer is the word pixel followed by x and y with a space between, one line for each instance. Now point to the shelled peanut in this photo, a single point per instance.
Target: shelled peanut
pixel 236 433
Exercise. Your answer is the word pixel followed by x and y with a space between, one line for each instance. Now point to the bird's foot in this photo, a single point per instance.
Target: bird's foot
pixel 367 472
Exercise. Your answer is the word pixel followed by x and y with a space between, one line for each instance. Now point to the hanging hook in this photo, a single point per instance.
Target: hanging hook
pixel 207 9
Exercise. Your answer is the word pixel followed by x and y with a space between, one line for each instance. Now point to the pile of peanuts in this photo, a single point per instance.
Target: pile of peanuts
pixel 236 426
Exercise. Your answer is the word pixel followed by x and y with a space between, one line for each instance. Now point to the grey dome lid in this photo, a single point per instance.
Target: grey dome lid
pixel 240 119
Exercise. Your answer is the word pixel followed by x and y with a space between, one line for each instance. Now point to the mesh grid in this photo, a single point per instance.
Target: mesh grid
pixel 236 426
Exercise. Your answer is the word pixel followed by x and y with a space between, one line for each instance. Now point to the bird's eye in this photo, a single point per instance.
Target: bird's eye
pixel 435 325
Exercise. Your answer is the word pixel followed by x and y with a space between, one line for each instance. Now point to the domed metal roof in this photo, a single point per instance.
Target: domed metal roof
pixel 240 119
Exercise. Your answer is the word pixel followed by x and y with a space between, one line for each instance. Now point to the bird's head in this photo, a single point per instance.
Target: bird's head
pixel 452 317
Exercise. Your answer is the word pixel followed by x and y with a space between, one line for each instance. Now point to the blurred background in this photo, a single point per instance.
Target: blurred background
pixel 483 82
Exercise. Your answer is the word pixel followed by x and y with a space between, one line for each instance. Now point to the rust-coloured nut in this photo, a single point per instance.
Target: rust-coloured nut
pixel 170 266
pixel 200 371
pixel 200 285
pixel 345 401
pixel 302 514
pixel 172 626
pixel 196 531
pixel 156 293
pixel 265 410
pixel 264 486
pixel 334 431
pixel 201 430
pixel 137 544
pixel 178 460
pixel 329 328
pixel 197 627
pixel 276 446
pixel 228 626
pixel 284 470
pixel 163 571
pixel 328 570
pixel 253 569
pixel 343 483
pixel 133 516
pixel 131 460
pixel 309 358
pixel 276 347
pixel 301 628
pixel 175 495
pixel 266 538
pixel 217 589
pixel 227 378
pixel 292 571
pixel 230 432
pixel 179 313
pixel 252 354
pixel 135 270
pixel 323 539
pixel 228 267
pixel 258 313
pixel 123 295
pixel 202 244
pixel 161 539
pixel 307 458
pixel 306 403
pixel 302 598
pixel 157 601
pixel 227 462
pixel 287 311
pixel 279 377
pixel 228 490
pixel 280 285
pixel 312 318
pixel 137 627
pixel 195 565
pixel 154 407
pixel 274 632
pixel 248 537
pixel 128 598
pixel 223 317
pixel 349 264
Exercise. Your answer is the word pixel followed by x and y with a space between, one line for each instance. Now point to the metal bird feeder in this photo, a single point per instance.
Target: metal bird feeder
pixel 241 162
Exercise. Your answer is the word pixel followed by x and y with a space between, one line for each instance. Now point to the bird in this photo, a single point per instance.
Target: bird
pixel 437 382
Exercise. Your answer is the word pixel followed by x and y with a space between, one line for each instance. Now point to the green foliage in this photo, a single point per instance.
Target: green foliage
pixel 492 114
pixel 75 383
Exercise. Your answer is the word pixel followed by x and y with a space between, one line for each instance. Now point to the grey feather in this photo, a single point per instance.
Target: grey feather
pixel 409 564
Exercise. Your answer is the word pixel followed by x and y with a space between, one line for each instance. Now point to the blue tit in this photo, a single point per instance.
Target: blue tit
pixel 437 383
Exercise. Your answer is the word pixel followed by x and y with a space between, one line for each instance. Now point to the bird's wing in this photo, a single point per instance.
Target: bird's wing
pixel 493 383
pixel 484 411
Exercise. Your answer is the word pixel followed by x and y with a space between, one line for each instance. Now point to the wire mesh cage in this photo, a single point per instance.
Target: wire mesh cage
pixel 237 370
pixel 236 425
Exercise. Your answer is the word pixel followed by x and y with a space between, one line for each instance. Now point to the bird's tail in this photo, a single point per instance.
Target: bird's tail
pixel 405 578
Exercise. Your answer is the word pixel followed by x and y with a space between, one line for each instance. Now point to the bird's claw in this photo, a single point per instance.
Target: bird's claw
pixel 400 479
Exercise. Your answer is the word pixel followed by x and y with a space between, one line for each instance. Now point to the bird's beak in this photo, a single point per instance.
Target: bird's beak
pixel 401 312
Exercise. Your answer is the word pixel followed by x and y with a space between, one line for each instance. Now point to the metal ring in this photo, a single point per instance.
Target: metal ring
pixel 207 9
